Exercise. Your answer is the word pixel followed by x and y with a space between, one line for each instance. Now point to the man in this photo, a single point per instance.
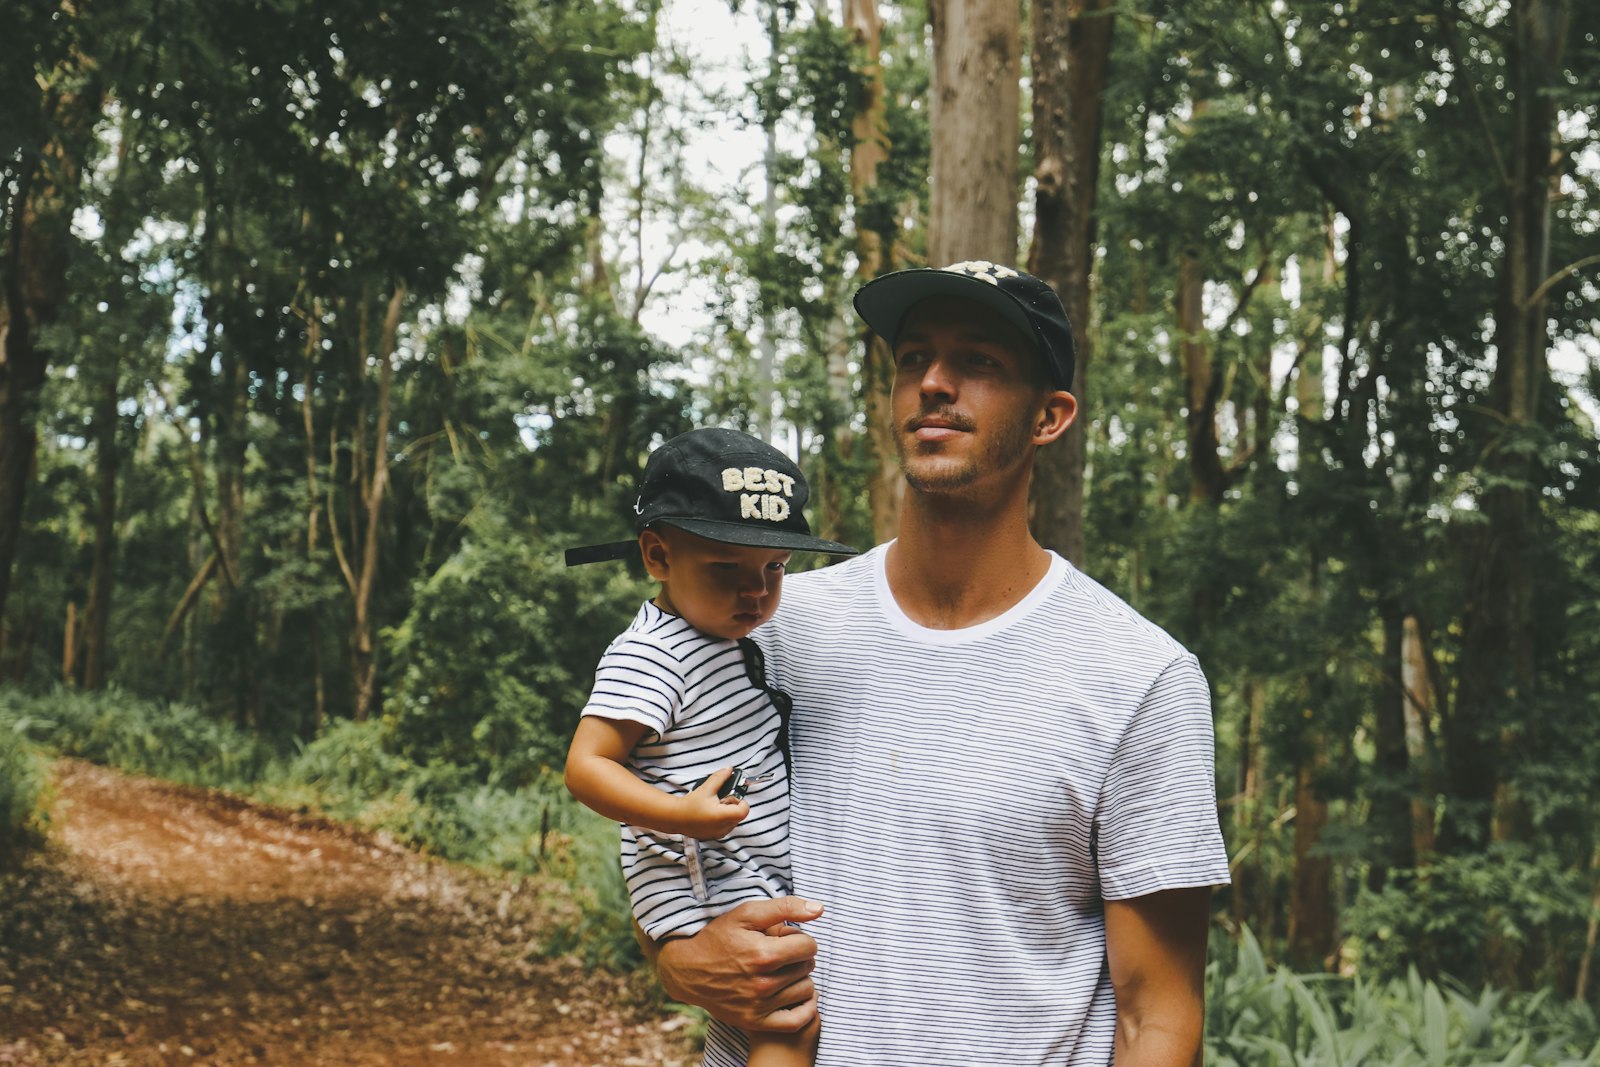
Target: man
pixel 1004 830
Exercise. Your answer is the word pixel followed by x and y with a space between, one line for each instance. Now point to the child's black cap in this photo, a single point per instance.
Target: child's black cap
pixel 725 486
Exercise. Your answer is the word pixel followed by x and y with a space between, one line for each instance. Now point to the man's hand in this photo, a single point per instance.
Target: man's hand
pixel 747 967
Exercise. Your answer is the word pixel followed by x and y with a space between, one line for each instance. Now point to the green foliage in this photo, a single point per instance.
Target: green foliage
pixel 491 673
pixel 263 177
pixel 1443 918
pixel 157 738
pixel 22 793
pixel 1259 1016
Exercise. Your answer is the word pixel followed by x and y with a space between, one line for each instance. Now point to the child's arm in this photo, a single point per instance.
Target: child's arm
pixel 597 776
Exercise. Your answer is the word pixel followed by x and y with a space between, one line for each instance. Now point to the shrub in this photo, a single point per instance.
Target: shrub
pixel 165 740
pixel 21 795
pixel 1442 918
pixel 1259 1016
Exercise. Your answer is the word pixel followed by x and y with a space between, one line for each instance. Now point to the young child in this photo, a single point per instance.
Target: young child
pixel 682 740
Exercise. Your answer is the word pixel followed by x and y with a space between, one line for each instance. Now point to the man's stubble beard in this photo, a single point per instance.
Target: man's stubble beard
pixel 997 453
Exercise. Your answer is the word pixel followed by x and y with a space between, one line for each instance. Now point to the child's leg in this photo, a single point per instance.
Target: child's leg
pixel 785 1050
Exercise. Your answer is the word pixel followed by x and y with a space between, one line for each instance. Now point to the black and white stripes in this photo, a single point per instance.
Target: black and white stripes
pixel 692 692
pixel 964 802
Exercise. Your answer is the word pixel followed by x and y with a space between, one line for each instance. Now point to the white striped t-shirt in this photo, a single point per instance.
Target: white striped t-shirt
pixel 693 693
pixel 966 800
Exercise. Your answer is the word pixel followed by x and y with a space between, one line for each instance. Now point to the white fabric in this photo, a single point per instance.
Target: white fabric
pixel 693 693
pixel 964 802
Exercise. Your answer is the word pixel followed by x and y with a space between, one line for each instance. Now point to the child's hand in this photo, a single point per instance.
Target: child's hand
pixel 708 816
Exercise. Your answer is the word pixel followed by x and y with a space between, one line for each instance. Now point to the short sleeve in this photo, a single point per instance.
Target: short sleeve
pixel 1157 825
pixel 637 681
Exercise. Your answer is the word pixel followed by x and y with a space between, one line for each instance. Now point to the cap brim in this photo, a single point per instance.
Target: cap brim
pixel 601 553
pixel 738 533
pixel 883 303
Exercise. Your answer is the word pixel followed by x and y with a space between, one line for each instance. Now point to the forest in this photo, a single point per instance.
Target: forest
pixel 328 325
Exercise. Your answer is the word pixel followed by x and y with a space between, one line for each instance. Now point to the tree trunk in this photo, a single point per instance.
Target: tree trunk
pixel 1391 793
pixel 1071 52
pixel 231 614
pixel 1310 892
pixel 1591 935
pixel 976 123
pixel 1248 898
pixel 69 646
pixel 313 507
pixel 764 393
pixel 97 617
pixel 1498 675
pixel 364 584
pixel 21 374
pixel 874 256
pixel 33 286
pixel 1417 698
pixel 1207 479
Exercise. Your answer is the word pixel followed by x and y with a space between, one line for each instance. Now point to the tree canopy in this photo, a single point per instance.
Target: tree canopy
pixel 328 325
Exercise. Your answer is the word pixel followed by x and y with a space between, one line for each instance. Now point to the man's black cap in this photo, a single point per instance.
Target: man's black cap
pixel 725 486
pixel 1026 302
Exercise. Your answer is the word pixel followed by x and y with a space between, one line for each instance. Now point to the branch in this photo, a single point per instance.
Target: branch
pixel 333 515
pixel 190 595
pixel 197 471
pixel 1249 291
pixel 643 292
pixel 1549 283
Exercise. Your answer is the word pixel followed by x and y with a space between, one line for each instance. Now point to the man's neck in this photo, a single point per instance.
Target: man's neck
pixel 962 562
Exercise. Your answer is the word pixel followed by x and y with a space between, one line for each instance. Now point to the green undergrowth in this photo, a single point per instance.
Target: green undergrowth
pixel 351 773
pixel 1258 1015
pixel 1264 1016
pixel 22 795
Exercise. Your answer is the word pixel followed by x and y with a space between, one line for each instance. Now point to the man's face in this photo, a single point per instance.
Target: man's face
pixel 967 396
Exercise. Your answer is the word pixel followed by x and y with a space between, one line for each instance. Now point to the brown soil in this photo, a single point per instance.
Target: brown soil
pixel 170 925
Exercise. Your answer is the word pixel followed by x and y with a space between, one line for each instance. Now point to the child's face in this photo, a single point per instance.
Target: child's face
pixel 719 589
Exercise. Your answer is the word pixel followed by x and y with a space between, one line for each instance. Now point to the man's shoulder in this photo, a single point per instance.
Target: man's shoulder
pixel 1093 613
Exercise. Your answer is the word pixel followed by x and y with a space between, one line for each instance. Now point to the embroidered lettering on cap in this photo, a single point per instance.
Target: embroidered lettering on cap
pixel 763 506
pixel 757 480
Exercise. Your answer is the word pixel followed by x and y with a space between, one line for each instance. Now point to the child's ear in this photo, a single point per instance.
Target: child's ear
pixel 653 550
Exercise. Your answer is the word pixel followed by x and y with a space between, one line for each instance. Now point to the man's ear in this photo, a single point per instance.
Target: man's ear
pixel 656 554
pixel 1059 410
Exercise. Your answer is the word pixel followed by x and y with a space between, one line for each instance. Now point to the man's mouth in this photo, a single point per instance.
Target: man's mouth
pixel 938 427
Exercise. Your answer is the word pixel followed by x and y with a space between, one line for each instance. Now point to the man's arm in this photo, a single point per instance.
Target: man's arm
pixel 746 967
pixel 1156 947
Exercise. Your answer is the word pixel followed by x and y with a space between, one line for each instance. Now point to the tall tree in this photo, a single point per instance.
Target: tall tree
pixel 55 89
pixel 876 233
pixel 976 117
pixel 1499 676
pixel 1070 62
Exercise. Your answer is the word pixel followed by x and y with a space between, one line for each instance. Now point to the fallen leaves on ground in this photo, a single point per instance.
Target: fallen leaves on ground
pixel 172 925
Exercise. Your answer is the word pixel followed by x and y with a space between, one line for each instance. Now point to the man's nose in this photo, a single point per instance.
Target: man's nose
pixel 938 379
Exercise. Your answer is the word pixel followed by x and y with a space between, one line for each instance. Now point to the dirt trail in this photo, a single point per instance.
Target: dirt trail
pixel 169 925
